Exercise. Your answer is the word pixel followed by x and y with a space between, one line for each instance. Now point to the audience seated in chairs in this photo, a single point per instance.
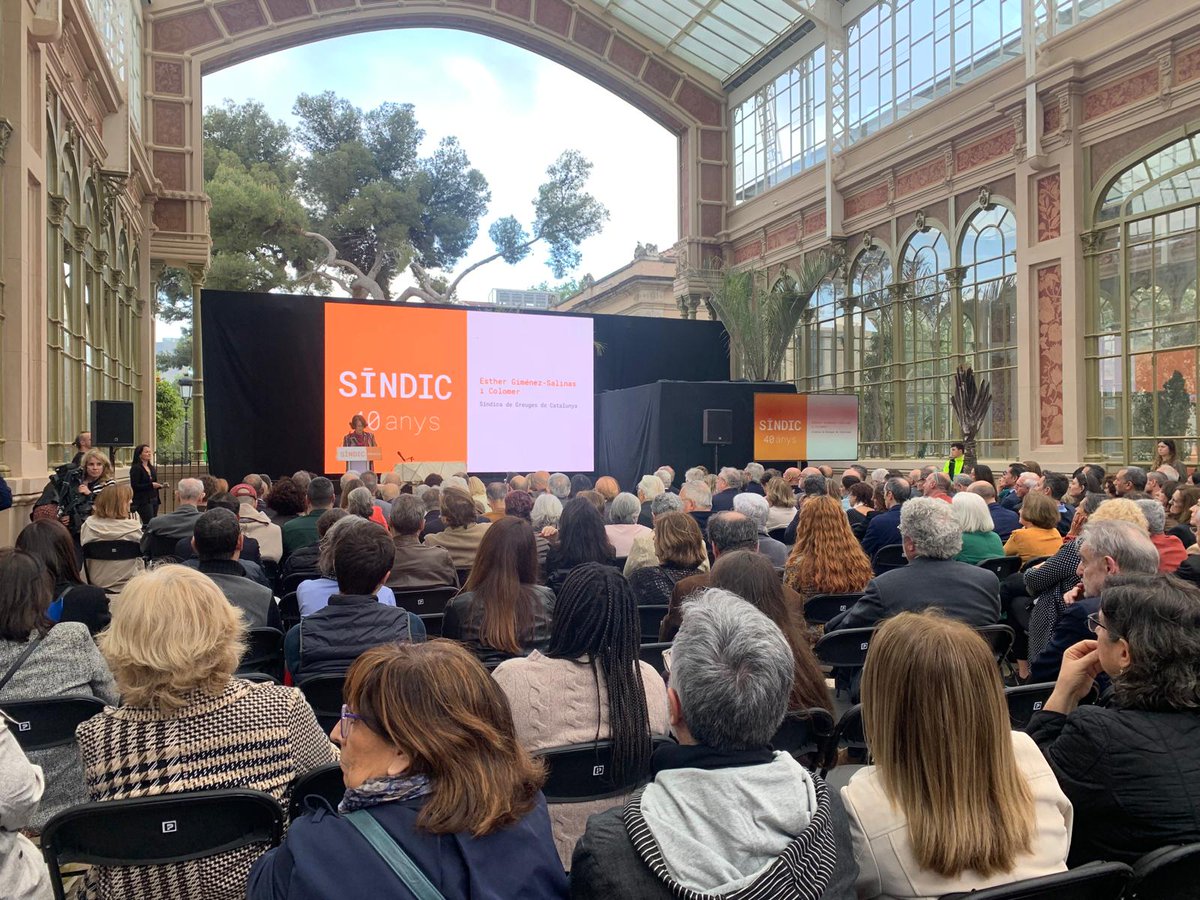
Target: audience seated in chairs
pixel 164 531
pixel 361 502
pixel 256 524
pixel 307 560
pixel 496 492
pixel 462 533
pixel 1171 553
pixel 502 611
pixel 697 502
pixel 416 565
pixel 781 502
pixel 931 539
pixel 285 501
pixel 173 646
pixel 313 595
pixel 884 528
pixel 430 759
pixel 588 685
pixel 826 558
pixel 649 487
pixel 679 547
pixel 979 540
pixel 581 539
pixel 642 554
pixel 754 507
pixel 111 521
pixel 62 661
pixel 302 530
pixel 50 541
pixel 997 814
pixel 624 529
pixel 862 507
pixel 731 677
pixel 217 540
pixel 355 617
pixel 1130 767
pixel 1037 535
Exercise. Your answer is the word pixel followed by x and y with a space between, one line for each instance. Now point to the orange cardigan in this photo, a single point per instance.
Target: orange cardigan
pixel 1030 543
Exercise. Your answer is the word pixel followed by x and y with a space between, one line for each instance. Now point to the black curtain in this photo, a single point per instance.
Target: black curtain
pixel 264 372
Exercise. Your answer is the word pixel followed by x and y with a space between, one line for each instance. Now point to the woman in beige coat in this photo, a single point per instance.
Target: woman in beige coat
pixel 112 520
pixel 955 799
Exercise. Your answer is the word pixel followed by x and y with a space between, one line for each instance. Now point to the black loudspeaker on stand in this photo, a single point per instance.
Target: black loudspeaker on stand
pixel 718 432
pixel 112 424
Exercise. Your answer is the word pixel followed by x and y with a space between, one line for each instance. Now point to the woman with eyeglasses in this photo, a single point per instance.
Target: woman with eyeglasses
pixel 434 777
pixel 1130 767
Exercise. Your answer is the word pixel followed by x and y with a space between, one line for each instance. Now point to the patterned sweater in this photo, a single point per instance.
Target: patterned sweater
pixel 258 736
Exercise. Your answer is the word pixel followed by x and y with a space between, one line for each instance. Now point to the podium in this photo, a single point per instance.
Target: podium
pixel 368 455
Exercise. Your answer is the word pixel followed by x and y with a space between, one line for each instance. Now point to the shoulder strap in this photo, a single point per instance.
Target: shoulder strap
pixel 12 670
pixel 393 854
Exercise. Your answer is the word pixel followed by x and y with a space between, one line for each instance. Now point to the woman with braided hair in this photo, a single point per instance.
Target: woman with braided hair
pixel 588 685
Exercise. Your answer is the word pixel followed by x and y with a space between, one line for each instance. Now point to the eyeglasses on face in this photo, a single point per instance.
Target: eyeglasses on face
pixel 343 728
pixel 1093 622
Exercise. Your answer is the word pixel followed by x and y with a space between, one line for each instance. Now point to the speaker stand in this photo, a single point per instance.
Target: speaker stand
pixel 716 458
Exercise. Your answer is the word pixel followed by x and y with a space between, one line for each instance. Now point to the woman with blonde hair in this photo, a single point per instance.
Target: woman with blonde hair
pixel 433 771
pixel 826 558
pixel 980 540
pixel 111 520
pixel 97 475
pixel 173 646
pixel 782 502
pixel 955 800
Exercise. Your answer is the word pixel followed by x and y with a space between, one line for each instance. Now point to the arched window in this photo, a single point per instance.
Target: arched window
pixel 927 321
pixel 869 328
pixel 989 320
pixel 825 337
pixel 1142 342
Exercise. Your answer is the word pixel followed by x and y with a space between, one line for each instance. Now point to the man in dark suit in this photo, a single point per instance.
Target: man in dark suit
pixel 932 538
pixel 729 485
pixel 754 474
pixel 884 528
pixel 1004 521
pixel 697 502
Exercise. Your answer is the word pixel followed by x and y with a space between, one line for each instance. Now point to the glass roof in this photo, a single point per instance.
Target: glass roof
pixel 718 36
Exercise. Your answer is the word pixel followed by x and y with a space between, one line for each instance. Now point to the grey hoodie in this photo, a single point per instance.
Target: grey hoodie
pixel 23 873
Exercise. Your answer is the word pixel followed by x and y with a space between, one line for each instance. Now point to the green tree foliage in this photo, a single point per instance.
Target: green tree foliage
pixel 1174 409
pixel 168 411
pixel 180 357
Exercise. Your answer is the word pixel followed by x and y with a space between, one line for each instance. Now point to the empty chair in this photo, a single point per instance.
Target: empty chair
pixel 44 722
pixel 888 558
pixel 264 652
pixel 845 649
pixel 999 638
pixel 1169 873
pixel 324 781
pixel 324 695
pixel 1096 881
pixel 169 828
pixel 804 732
pixel 651 616
pixel 820 608
pixel 1003 566
pixel 653 654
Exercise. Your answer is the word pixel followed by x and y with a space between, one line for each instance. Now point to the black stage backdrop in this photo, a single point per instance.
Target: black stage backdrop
pixel 264 372
pixel 641 428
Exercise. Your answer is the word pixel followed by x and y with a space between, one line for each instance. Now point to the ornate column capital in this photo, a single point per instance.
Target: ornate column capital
pixel 56 208
pixel 1091 240
pixel 6 131
pixel 955 276
pixel 898 291
pixel 197 273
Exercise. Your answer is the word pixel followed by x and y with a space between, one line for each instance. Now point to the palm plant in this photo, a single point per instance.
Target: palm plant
pixel 762 321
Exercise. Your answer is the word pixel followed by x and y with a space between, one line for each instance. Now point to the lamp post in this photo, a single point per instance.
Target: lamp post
pixel 185 393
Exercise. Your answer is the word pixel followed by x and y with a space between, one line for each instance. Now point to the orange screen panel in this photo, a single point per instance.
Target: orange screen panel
pixel 780 426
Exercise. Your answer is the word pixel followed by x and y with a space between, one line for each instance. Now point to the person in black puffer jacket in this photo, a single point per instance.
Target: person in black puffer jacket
pixel 1130 767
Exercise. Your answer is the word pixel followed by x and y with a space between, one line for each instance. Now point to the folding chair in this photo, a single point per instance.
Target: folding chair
pixel 849 729
pixel 1025 700
pixel 804 732
pixel 1169 873
pixel 580 772
pixel 160 546
pixel 109 551
pixel 1003 566
pixel 999 638
pixel 428 603
pixel 289 611
pixel 264 652
pixel 43 722
pixel 152 831
pixel 324 781
pixel 777 533
pixel 820 608
pixel 651 616
pixel 324 695
pixel 1095 881
pixel 653 654
pixel 888 558
pixel 290 583
pixel 846 649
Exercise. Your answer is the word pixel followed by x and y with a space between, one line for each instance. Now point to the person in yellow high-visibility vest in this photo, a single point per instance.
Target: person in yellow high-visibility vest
pixel 956 462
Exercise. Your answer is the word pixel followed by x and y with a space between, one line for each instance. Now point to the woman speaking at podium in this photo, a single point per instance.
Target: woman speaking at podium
pixel 359 437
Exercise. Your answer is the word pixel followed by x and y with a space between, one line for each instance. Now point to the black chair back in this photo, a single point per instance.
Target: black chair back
pixel 653 654
pixel 846 649
pixel 264 652
pixel 43 722
pixel 1095 881
pixel 651 616
pixel 1169 873
pixel 150 831
pixel 111 551
pixel 160 545
pixel 463 575
pixel 289 583
pixel 580 772
pixel 777 533
pixel 849 730
pixel 999 638
pixel 324 781
pixel 1025 700
pixel 820 608
pixel 1003 566
pixel 324 695
pixel 804 732
pixel 289 611
pixel 428 603
pixel 1036 561
pixel 270 568
pixel 888 558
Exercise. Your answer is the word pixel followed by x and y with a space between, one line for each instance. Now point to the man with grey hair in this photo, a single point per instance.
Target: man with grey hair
pixel 1026 482
pixel 1106 549
pixel 754 473
pixel 731 674
pixel 879 476
pixel 695 473
pixel 560 486
pixel 416 565
pixel 960 483
pixel 164 532
pixel 496 492
pixel 666 475
pixel 642 552
pixel 791 478
pixel 1171 553
pixel 937 486
pixel 697 502
pixel 755 508
pixel 883 530
pixel 432 498
pixel 729 485
pixel 932 538
pixel 649 487
pixel 1130 479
